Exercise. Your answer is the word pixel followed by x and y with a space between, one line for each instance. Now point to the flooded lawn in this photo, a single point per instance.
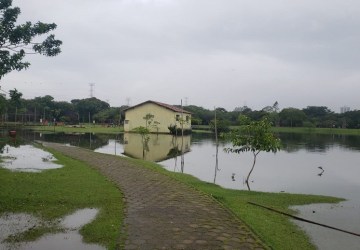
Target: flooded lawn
pixel 320 164
pixel 307 163
pixel 27 158
pixel 15 224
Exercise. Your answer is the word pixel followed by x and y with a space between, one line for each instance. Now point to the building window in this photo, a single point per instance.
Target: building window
pixel 177 118
pixel 187 118
pixel 126 121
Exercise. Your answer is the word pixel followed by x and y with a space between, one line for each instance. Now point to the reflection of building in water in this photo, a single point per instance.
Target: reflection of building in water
pixel 157 148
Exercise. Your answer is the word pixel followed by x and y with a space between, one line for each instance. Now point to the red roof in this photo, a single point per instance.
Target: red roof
pixel 167 106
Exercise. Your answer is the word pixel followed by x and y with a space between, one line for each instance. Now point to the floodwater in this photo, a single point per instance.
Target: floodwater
pixel 13 224
pixel 27 158
pixel 317 164
pixel 308 164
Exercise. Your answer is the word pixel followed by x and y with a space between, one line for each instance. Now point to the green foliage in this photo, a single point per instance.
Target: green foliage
pixel 222 126
pixel 244 120
pixel 199 114
pixel 195 121
pixel 16 40
pixel 109 115
pixel 292 117
pixel 255 137
pixel 89 106
pixel 15 98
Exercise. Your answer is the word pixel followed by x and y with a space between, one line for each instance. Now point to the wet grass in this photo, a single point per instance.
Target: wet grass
pixel 52 194
pixel 330 131
pixel 86 128
pixel 276 230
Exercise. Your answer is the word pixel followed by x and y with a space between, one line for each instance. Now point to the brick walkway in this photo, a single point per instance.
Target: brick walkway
pixel 162 213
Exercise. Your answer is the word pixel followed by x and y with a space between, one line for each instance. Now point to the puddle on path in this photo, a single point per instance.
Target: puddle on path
pixel 11 224
pixel 27 158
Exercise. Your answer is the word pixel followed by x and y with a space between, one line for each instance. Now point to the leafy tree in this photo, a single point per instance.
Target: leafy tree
pixel 89 106
pixel 243 120
pixel 222 126
pixel 316 111
pixel 254 137
pixel 18 40
pixel 15 97
pixel 200 114
pixel 321 116
pixel 292 117
pixel 110 115
pixel 351 119
pixel 243 110
pixel 3 104
pixel 272 113
pixel 15 103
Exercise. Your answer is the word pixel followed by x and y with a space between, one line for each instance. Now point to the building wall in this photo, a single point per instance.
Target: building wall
pixel 165 117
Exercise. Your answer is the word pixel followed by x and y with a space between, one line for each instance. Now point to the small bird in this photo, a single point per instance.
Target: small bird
pixel 233 176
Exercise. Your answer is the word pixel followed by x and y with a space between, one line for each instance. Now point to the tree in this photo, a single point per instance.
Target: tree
pixel 255 137
pixel 89 107
pixel 292 117
pixel 18 40
pixel 148 119
pixel 222 126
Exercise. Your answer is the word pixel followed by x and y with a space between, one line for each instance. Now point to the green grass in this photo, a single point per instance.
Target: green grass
pixel 84 129
pixel 339 131
pixel 276 230
pixel 52 194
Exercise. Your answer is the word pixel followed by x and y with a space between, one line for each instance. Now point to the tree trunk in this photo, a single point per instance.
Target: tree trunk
pixel 252 168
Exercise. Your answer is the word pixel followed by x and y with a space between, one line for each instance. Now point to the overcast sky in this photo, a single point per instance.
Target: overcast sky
pixel 224 53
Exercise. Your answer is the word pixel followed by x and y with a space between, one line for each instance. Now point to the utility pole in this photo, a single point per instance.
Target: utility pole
pixel 91 89
pixel 182 138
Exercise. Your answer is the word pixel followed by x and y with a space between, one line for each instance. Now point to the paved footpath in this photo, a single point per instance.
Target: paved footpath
pixel 162 213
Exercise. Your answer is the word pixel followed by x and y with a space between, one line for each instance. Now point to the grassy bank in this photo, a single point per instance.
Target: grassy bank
pixel 83 129
pixel 52 194
pixel 303 130
pixel 277 231
pixel 337 131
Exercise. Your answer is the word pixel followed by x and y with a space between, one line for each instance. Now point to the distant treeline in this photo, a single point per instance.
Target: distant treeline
pixel 92 109
pixel 311 116
pixel 47 110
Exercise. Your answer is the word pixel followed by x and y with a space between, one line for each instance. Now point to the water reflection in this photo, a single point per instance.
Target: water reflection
pixel 156 148
pixel 320 143
pixel 27 158
pixel 322 171
pixel 217 169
